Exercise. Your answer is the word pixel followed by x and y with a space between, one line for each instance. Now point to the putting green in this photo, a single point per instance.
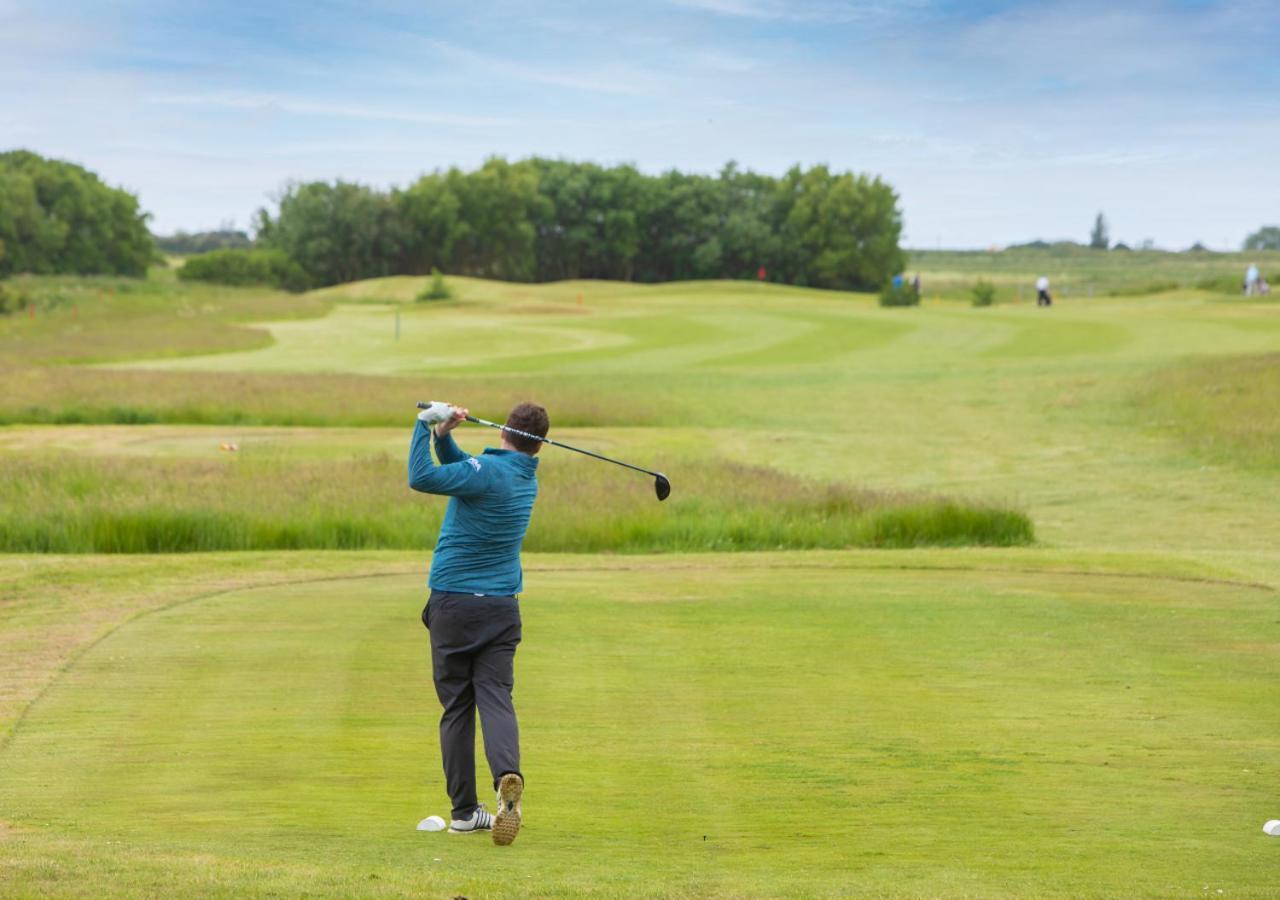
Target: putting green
pixel 789 723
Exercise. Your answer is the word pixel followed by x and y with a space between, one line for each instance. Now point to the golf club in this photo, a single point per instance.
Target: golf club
pixel 661 486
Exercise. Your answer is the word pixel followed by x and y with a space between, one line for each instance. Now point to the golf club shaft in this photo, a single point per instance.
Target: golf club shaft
pixel 546 440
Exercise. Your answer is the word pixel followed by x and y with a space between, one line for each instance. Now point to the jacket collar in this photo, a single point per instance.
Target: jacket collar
pixel 523 460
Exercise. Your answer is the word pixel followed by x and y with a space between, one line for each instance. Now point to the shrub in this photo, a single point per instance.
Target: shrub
pixel 245 267
pixel 984 293
pixel 11 299
pixel 899 295
pixel 437 289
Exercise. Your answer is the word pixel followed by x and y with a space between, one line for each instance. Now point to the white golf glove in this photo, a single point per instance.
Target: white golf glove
pixel 436 412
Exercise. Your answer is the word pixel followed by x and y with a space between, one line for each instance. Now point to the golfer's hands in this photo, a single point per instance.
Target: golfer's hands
pixel 459 416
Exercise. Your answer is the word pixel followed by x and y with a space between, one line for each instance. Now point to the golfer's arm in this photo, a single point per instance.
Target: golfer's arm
pixel 448 451
pixel 457 479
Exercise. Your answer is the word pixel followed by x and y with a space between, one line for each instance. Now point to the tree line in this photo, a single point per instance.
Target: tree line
pixel 188 243
pixel 545 220
pixel 59 218
pixel 531 220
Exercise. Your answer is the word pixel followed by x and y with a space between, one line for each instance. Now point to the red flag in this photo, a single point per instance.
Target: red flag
pixel 762 274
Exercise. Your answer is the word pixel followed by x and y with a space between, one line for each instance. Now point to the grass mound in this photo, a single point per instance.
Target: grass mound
pixel 1224 408
pixel 101 319
pixel 65 504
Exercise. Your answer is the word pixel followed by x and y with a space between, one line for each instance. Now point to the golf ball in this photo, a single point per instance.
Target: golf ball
pixel 431 823
pixel 1272 827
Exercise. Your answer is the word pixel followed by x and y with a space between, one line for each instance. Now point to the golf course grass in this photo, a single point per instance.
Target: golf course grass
pixel 1088 710
pixel 786 723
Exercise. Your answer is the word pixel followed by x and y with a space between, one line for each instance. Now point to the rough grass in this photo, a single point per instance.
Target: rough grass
pixel 1082 273
pixel 1227 409
pixel 101 319
pixel 1010 402
pixel 65 504
pixel 67 395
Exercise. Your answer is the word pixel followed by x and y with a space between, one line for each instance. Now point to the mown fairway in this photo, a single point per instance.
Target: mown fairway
pixel 1093 714
pixel 770 724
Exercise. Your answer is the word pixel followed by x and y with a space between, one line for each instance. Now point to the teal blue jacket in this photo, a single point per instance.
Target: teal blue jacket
pixel 490 501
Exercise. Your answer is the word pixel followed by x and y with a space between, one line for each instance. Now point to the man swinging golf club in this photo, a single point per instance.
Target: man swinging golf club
pixel 472 613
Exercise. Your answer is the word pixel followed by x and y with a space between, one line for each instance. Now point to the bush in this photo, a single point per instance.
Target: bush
pixel 11 299
pixel 899 295
pixel 437 289
pixel 246 267
pixel 984 293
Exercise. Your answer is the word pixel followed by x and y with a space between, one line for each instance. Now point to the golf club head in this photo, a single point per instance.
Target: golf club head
pixel 662 486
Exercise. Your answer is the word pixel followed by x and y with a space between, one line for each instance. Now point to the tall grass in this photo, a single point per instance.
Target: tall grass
pixel 68 504
pixel 65 395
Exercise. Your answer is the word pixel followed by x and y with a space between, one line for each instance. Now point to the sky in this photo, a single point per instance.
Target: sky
pixel 996 122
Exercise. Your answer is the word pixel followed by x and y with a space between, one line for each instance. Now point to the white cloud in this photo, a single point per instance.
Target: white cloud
pixel 279 103
pixel 1098 43
pixel 609 79
pixel 1001 128
pixel 723 61
pixel 812 11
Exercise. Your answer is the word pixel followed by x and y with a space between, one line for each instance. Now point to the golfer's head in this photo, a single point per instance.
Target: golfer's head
pixel 529 417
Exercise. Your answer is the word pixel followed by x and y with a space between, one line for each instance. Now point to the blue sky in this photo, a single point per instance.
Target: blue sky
pixel 997 122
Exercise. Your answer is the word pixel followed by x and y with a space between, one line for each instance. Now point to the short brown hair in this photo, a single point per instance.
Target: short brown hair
pixel 528 417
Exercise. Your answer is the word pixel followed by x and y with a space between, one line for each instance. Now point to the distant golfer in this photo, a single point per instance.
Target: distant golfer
pixel 1251 277
pixel 1042 291
pixel 473 613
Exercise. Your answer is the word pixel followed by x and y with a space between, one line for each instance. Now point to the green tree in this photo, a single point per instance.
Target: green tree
pixel 542 219
pixel 494 234
pixel 336 232
pixel 1099 238
pixel 586 220
pixel 57 217
pixel 749 238
pixel 839 231
pixel 429 209
pixel 1265 238
pixel 680 220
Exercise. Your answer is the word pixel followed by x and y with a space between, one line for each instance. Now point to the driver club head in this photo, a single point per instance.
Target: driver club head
pixel 662 486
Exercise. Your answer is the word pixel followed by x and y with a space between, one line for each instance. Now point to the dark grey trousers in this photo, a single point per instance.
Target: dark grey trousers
pixel 473 650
